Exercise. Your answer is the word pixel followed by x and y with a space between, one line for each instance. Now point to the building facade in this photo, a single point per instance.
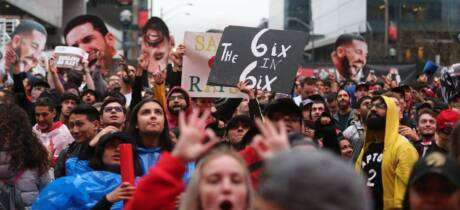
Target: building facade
pixel 418 30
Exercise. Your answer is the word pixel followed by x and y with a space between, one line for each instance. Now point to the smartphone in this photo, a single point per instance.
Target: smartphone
pixel 372 72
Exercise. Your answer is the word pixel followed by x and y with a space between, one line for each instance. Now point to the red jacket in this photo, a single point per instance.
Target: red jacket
pixel 253 162
pixel 160 187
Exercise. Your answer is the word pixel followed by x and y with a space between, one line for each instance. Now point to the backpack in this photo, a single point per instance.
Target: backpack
pixel 10 196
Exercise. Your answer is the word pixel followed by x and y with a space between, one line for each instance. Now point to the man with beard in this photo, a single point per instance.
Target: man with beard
pixel 345 114
pixel 387 157
pixel 350 56
pixel 90 33
pixel 177 100
pixel 24 50
pixel 55 136
pixel 426 127
pixel 20 55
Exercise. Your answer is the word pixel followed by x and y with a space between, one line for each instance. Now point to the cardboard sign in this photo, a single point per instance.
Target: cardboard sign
pixel 69 57
pixel 267 58
pixel 199 56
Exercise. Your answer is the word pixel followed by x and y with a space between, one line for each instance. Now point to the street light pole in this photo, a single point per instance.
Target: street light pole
pixel 125 19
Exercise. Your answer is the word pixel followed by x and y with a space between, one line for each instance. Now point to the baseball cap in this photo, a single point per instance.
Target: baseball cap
pixel 240 119
pixel 447 119
pixel 284 106
pixel 436 163
pixel 305 103
pixel 363 84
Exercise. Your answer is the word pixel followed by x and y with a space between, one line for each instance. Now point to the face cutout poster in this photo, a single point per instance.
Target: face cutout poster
pixel 267 59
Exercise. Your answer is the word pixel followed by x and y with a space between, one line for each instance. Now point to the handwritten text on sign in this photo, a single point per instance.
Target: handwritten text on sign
pixel 269 64
pixel 201 48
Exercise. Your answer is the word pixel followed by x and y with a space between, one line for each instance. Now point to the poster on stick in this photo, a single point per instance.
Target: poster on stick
pixel 268 59
pixel 198 59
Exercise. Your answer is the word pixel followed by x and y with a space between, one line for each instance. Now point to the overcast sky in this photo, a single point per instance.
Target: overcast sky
pixel 211 14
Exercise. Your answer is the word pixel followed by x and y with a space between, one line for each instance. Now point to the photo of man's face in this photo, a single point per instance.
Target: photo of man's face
pixel 352 58
pixel 157 47
pixel 29 47
pixel 86 37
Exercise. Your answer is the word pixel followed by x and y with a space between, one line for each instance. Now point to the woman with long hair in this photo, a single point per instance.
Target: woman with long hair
pixel 221 180
pixel 149 129
pixel 24 161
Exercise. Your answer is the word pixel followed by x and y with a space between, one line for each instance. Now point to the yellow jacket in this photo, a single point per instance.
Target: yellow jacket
pixel 398 158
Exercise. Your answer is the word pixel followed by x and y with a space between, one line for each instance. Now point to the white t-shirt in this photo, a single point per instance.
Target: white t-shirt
pixel 128 98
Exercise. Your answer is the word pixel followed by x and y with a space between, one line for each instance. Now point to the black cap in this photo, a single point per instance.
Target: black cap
pixel 239 119
pixel 39 83
pixel 305 103
pixel 285 106
pixel 362 84
pixel 123 137
pixel 436 163
pixel 88 91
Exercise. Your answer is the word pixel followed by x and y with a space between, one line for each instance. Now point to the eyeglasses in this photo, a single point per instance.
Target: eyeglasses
pixel 115 108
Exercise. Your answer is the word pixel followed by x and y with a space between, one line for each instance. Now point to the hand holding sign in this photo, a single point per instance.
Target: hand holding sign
pixel 267 59
pixel 244 88
pixel 51 65
pixel 177 57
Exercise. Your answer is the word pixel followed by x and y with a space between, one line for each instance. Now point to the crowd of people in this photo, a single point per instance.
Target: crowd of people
pixel 354 140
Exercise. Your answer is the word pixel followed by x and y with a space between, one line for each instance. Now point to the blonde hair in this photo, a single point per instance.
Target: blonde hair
pixel 191 197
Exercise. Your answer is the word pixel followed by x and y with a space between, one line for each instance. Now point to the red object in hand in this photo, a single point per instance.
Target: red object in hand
pixel 126 163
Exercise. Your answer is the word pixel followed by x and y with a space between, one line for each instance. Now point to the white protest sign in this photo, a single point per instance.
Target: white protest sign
pixel 201 47
pixel 69 57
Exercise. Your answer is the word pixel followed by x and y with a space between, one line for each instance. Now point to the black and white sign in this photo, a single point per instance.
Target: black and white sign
pixel 267 58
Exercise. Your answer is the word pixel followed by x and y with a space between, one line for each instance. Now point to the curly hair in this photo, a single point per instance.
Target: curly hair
pixel 19 142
